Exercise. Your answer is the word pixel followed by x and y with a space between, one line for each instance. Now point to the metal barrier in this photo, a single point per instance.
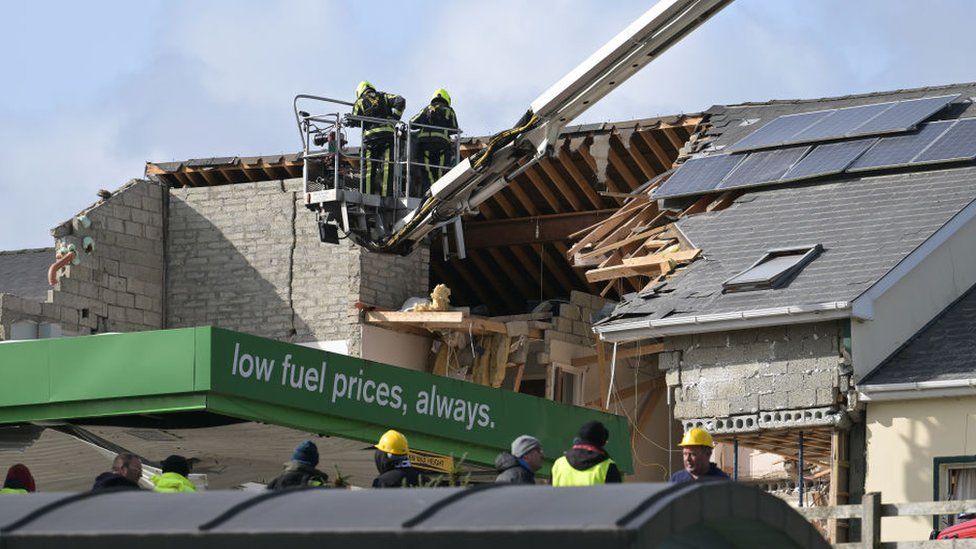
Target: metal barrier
pixel 871 511
pixel 336 165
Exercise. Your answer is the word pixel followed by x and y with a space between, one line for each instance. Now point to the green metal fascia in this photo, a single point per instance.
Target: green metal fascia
pixel 269 381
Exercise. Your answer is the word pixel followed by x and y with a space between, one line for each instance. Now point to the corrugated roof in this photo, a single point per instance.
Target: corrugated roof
pixel 24 272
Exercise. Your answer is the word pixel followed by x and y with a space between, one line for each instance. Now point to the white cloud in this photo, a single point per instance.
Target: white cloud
pixel 217 78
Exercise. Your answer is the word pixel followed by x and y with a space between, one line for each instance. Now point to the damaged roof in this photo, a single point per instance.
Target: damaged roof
pixel 24 272
pixel 865 223
pixel 945 349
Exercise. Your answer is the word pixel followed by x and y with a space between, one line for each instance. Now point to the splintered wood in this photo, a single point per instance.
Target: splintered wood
pixel 639 246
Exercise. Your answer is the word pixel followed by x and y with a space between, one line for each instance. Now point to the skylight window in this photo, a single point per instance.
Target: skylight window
pixel 775 269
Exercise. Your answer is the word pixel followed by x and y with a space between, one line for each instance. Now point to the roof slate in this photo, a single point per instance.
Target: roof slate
pixel 24 272
pixel 944 350
pixel 866 226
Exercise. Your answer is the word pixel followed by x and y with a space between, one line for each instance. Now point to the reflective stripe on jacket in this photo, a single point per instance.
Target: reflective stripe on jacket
pixel 172 482
pixel 564 474
pixel 12 491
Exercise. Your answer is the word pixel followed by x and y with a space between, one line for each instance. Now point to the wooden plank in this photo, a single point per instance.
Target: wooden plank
pixel 518 377
pixel 446 317
pixel 620 166
pixel 544 188
pixel 928 508
pixel 561 185
pixel 629 352
pixel 651 264
pixel 611 223
pixel 662 156
pixel 830 512
pixel 604 372
pixel 569 164
pixel 646 234
pixel 647 170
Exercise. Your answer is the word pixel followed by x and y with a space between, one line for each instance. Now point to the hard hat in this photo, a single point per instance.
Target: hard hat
pixel 697 437
pixel 442 93
pixel 362 87
pixel 393 442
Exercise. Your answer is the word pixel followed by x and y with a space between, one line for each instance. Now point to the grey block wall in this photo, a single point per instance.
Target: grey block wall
pixel 14 309
pixel 118 287
pixel 748 372
pixel 247 257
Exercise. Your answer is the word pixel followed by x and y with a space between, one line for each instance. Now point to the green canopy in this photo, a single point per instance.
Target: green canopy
pixel 258 379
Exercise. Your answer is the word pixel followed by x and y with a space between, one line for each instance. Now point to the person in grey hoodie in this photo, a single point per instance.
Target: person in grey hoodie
pixel 519 465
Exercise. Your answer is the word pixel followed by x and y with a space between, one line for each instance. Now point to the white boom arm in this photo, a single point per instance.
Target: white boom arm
pixel 507 154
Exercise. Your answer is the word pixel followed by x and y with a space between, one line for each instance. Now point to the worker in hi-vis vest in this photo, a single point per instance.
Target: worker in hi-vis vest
pixel 433 152
pixel 378 138
pixel 587 462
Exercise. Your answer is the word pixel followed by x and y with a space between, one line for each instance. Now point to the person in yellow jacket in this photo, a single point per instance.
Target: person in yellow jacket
pixel 175 469
pixel 587 462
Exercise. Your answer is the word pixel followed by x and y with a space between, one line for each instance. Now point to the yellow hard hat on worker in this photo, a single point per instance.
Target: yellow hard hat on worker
pixel 362 87
pixel 393 442
pixel 442 93
pixel 697 436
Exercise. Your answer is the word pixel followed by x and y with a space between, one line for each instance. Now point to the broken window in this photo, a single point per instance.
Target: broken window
pixel 775 269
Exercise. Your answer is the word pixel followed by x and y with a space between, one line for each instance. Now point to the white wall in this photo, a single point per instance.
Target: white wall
pixel 917 298
pixel 903 438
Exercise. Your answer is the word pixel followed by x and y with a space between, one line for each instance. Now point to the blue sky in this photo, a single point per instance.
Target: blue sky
pixel 92 90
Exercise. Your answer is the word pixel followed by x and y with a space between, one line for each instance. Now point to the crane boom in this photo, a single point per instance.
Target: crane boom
pixel 396 224
pixel 469 184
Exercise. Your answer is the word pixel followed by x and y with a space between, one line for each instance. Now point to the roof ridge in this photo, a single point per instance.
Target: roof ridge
pixel 848 96
pixel 27 251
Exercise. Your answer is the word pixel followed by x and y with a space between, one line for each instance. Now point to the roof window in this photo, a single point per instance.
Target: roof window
pixel 775 269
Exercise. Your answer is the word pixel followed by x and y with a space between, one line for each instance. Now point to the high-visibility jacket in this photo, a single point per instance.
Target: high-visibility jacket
pixel 12 491
pixel 172 482
pixel 564 474
pixel 439 114
pixel 377 104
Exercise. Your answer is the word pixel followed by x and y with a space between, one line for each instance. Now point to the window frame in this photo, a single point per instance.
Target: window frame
pixel 807 254
pixel 551 382
pixel 941 466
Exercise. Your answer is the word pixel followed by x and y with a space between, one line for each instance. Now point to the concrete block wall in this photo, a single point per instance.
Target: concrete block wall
pixel 15 308
pixel 119 286
pixel 747 372
pixel 248 257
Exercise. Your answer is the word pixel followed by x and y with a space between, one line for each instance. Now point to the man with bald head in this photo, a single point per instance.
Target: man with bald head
pixel 125 474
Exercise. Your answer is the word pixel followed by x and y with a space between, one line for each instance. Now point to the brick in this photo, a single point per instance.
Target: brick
pixel 802 398
pixel 773 401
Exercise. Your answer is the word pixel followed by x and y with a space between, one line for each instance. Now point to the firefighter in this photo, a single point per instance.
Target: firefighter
pixel 587 462
pixel 696 452
pixel 378 138
pixel 433 147
pixel 393 462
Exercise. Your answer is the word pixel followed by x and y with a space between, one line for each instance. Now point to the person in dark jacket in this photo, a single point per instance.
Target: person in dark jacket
pixel 696 454
pixel 433 147
pixel 125 473
pixel 519 466
pixel 19 480
pixel 587 462
pixel 378 138
pixel 393 462
pixel 300 471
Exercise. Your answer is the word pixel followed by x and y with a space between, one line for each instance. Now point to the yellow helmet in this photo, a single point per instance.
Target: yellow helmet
pixel 697 437
pixel 362 87
pixel 393 442
pixel 442 93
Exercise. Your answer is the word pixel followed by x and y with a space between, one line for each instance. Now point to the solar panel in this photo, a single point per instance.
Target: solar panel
pixel 829 158
pixel 763 167
pixel 841 122
pixel 779 131
pixel 698 175
pixel 958 143
pixel 899 150
pixel 905 115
